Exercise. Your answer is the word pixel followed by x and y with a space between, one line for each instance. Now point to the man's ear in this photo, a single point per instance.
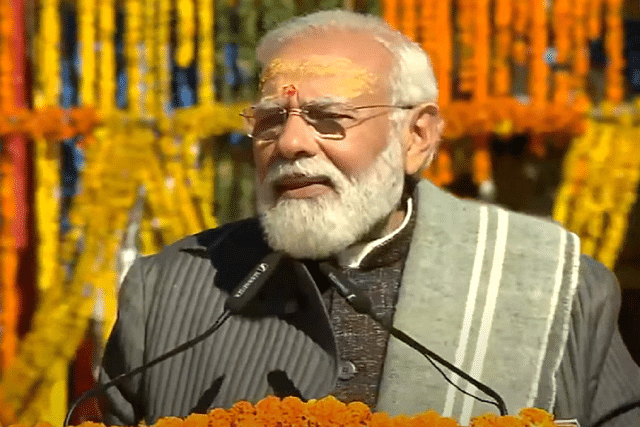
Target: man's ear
pixel 425 131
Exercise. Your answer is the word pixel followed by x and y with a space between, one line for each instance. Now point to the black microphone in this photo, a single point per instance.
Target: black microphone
pixel 235 302
pixel 253 283
pixel 362 304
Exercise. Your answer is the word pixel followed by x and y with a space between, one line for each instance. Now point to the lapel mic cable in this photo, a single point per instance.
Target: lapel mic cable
pixel 237 300
pixel 362 304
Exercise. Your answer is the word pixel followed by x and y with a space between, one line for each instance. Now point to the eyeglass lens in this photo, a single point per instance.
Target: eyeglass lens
pixel 268 123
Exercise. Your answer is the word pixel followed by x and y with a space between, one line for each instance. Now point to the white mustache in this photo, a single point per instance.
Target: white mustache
pixel 306 167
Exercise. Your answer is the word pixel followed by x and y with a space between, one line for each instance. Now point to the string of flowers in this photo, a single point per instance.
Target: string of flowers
pixel 443 32
pixel 501 71
pixel 409 20
pixel 600 178
pixel 49 52
pixel 8 264
pixel 50 123
pixel 107 69
pixel 8 254
pixel 614 47
pixel 594 19
pixel 581 49
pixel 87 39
pixel 520 23
pixel 133 39
pixel 150 59
pixel 163 95
pixel 466 38
pixel 328 411
pixel 390 11
pixel 205 51
pixel 185 45
pixel 563 28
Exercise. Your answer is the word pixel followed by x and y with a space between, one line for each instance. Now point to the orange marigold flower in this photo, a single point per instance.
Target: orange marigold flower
pixel 511 421
pixel 485 420
pixel 295 412
pixel 433 419
pixel 197 420
pixel 358 414
pixel 380 419
pixel 269 412
pixel 328 411
pixel 170 422
pixel 537 417
pixel 219 417
pixel 243 407
pixel 84 424
pixel 400 421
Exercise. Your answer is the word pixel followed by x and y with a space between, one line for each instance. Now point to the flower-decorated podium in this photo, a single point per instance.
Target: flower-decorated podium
pixel 330 412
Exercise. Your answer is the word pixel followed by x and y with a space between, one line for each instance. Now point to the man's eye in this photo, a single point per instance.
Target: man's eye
pixel 269 118
pixel 317 115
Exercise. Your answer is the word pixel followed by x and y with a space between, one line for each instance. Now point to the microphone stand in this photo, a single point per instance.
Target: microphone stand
pixel 182 347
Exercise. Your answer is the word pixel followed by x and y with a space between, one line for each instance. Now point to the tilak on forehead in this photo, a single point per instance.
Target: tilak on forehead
pixel 347 78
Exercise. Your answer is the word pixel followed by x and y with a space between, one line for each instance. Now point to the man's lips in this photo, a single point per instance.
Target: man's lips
pixel 302 186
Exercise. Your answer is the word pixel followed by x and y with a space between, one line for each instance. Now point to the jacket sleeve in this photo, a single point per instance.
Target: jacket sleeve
pixel 124 351
pixel 597 373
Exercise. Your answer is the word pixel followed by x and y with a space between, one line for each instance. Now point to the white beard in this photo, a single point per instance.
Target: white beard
pixel 326 225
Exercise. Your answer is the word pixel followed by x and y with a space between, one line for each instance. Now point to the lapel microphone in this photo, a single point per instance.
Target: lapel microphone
pixel 362 304
pixel 248 288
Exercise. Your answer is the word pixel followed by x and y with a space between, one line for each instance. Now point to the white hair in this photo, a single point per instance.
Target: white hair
pixel 412 80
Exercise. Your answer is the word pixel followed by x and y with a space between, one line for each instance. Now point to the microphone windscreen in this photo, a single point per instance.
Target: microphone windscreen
pixel 252 283
pixel 354 296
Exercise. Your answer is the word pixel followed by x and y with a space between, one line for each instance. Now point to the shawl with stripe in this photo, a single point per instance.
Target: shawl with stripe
pixel 489 290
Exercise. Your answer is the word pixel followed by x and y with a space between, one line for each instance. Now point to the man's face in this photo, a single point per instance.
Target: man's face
pixel 345 68
pixel 316 194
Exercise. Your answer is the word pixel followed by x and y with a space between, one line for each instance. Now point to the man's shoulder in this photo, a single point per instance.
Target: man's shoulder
pixel 597 285
pixel 459 208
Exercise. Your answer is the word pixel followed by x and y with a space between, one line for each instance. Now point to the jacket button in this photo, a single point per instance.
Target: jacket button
pixel 346 370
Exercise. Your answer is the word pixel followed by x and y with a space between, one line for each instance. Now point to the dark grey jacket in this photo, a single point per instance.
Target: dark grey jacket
pixel 285 345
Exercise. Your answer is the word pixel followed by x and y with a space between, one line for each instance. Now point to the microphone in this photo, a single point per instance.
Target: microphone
pixel 253 282
pixel 362 304
pixel 235 303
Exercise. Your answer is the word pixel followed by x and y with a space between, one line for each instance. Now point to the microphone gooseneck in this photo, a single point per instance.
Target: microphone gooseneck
pixel 362 304
pixel 179 349
pixel 235 303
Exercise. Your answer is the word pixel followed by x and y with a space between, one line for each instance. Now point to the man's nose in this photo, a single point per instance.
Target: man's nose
pixel 298 138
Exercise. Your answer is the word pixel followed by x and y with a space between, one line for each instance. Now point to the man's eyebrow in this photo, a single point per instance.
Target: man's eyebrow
pixel 326 100
pixel 268 103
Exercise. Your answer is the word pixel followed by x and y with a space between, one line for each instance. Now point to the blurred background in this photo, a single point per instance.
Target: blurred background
pixel 120 133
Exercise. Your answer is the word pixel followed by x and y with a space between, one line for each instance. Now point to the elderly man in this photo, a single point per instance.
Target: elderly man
pixel 346 121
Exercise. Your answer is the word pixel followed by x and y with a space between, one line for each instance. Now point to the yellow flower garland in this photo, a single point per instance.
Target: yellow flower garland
pixel 601 173
pixel 87 29
pixel 107 58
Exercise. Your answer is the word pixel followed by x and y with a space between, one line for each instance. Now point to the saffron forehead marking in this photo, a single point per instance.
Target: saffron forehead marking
pixel 289 90
pixel 346 77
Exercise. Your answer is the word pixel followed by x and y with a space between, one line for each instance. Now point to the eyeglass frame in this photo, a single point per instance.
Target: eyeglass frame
pixel 301 113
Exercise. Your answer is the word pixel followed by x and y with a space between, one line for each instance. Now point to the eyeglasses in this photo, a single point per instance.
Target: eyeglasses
pixel 330 120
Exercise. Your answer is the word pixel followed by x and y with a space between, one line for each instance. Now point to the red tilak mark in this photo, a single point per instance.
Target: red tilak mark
pixel 289 90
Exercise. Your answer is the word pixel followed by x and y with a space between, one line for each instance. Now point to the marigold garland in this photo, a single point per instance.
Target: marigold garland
pixel 8 263
pixel 292 412
pixel 107 69
pixel 601 175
